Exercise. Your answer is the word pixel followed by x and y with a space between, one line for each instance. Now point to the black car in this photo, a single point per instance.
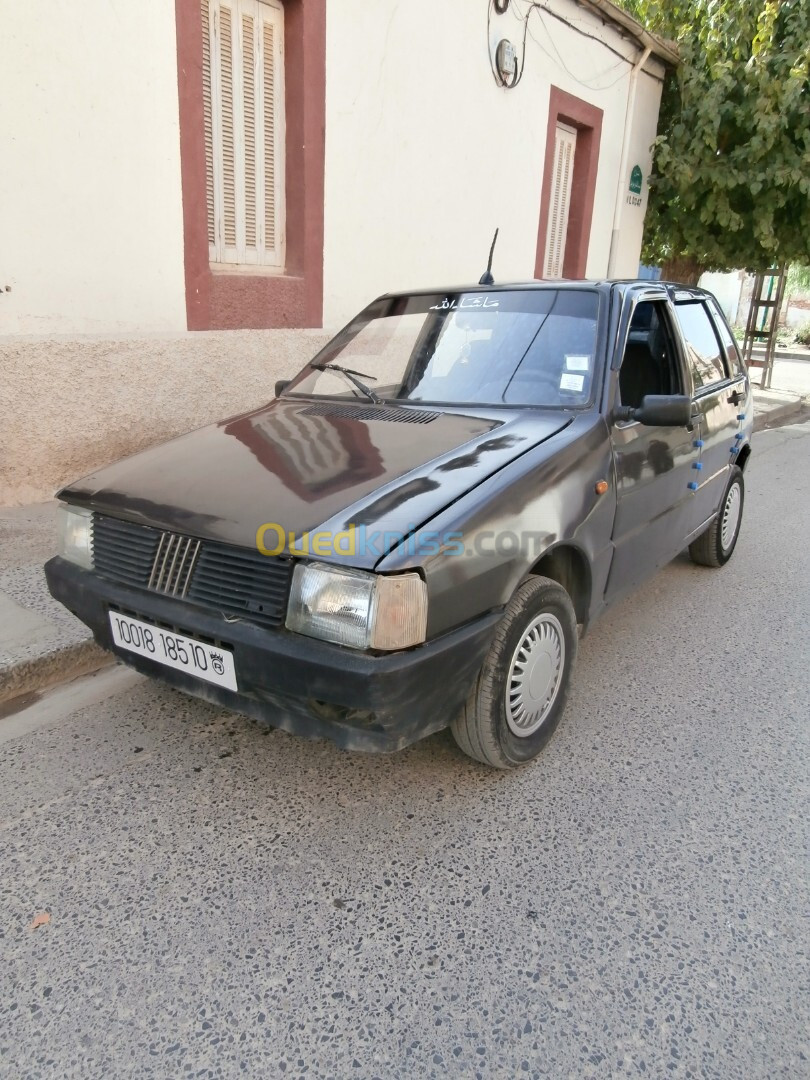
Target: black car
pixel 416 531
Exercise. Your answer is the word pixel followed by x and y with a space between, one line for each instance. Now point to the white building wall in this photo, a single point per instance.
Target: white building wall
pixel 91 230
pixel 727 288
pixel 632 208
pixel 426 155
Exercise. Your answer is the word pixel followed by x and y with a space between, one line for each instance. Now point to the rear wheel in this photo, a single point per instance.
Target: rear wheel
pixel 519 697
pixel 716 545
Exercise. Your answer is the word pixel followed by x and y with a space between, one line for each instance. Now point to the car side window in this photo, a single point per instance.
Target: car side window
pixel 650 363
pixel 704 354
pixel 727 338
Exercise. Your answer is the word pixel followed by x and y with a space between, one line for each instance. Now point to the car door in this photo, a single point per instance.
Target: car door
pixel 653 465
pixel 719 395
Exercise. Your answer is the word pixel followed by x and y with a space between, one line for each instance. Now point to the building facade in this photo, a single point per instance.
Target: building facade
pixel 272 165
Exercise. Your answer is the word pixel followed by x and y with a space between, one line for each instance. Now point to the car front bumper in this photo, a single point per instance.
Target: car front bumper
pixel 360 701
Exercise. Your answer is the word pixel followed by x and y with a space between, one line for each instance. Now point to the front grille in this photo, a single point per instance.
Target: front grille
pixel 391 414
pixel 123 551
pixel 231 581
pixel 239 582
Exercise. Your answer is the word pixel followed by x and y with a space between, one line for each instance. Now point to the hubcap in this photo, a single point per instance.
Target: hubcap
pixel 535 675
pixel 731 516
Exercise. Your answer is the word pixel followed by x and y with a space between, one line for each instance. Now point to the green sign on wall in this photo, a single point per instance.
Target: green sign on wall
pixel 635 180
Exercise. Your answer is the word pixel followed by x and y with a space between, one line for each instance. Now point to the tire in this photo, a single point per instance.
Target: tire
pixel 716 545
pixel 495 726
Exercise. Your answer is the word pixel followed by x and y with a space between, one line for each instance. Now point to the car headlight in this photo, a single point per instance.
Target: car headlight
pixel 76 535
pixel 354 608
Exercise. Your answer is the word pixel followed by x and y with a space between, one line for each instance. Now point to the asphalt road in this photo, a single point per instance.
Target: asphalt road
pixel 228 901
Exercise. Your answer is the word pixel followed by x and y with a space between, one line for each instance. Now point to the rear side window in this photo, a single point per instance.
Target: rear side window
pixel 726 336
pixel 704 354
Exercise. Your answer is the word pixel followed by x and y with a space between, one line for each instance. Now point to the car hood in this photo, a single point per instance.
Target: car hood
pixel 315 465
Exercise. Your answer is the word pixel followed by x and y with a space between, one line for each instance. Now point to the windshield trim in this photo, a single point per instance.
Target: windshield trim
pixel 435 405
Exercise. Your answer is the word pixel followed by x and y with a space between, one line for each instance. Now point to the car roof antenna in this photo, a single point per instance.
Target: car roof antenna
pixel 486 277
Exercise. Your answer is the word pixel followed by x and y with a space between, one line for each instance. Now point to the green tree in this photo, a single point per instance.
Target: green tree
pixel 798 279
pixel 730 185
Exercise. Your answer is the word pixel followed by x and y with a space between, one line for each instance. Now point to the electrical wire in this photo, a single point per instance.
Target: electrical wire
pixel 558 59
pixel 525 18
pixel 495 72
pixel 594 85
pixel 547 11
pixel 573 26
pixel 542 10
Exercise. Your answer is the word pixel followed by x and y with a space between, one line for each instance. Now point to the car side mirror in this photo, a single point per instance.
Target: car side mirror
pixel 281 386
pixel 659 410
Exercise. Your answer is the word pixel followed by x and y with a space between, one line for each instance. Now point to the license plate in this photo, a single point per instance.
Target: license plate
pixel 174 650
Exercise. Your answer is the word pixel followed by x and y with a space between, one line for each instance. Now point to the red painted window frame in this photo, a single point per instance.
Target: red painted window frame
pixel 239 299
pixel 587 119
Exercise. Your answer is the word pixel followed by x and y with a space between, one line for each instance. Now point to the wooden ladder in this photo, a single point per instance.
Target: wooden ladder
pixel 763 319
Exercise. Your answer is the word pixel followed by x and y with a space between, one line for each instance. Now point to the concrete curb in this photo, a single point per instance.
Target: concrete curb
pixel 758 356
pixel 779 415
pixel 57 665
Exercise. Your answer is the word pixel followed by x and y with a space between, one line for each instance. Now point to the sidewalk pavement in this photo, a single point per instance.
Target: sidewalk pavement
pixel 41 643
pixel 791 374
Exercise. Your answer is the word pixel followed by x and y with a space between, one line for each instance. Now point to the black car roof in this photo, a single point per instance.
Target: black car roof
pixel 675 290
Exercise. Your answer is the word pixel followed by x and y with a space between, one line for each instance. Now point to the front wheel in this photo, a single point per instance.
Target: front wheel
pixel 519 697
pixel 716 545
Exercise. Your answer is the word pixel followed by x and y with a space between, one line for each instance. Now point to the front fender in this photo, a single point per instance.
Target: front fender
pixel 489 541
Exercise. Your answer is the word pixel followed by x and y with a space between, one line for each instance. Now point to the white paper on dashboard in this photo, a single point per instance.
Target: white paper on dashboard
pixel 571 382
pixel 577 363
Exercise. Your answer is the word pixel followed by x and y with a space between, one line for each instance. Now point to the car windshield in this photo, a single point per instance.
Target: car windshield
pixel 521 347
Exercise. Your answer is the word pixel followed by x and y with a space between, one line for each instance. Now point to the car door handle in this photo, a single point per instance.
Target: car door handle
pixel 735 397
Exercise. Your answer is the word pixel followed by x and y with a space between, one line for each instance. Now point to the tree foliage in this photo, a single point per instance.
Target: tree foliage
pixel 798 279
pixel 730 185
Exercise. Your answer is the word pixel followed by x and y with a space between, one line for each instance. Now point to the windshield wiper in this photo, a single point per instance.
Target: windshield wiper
pixel 352 376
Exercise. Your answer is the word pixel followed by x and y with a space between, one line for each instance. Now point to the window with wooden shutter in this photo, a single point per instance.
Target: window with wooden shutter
pixel 243 109
pixel 564 149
